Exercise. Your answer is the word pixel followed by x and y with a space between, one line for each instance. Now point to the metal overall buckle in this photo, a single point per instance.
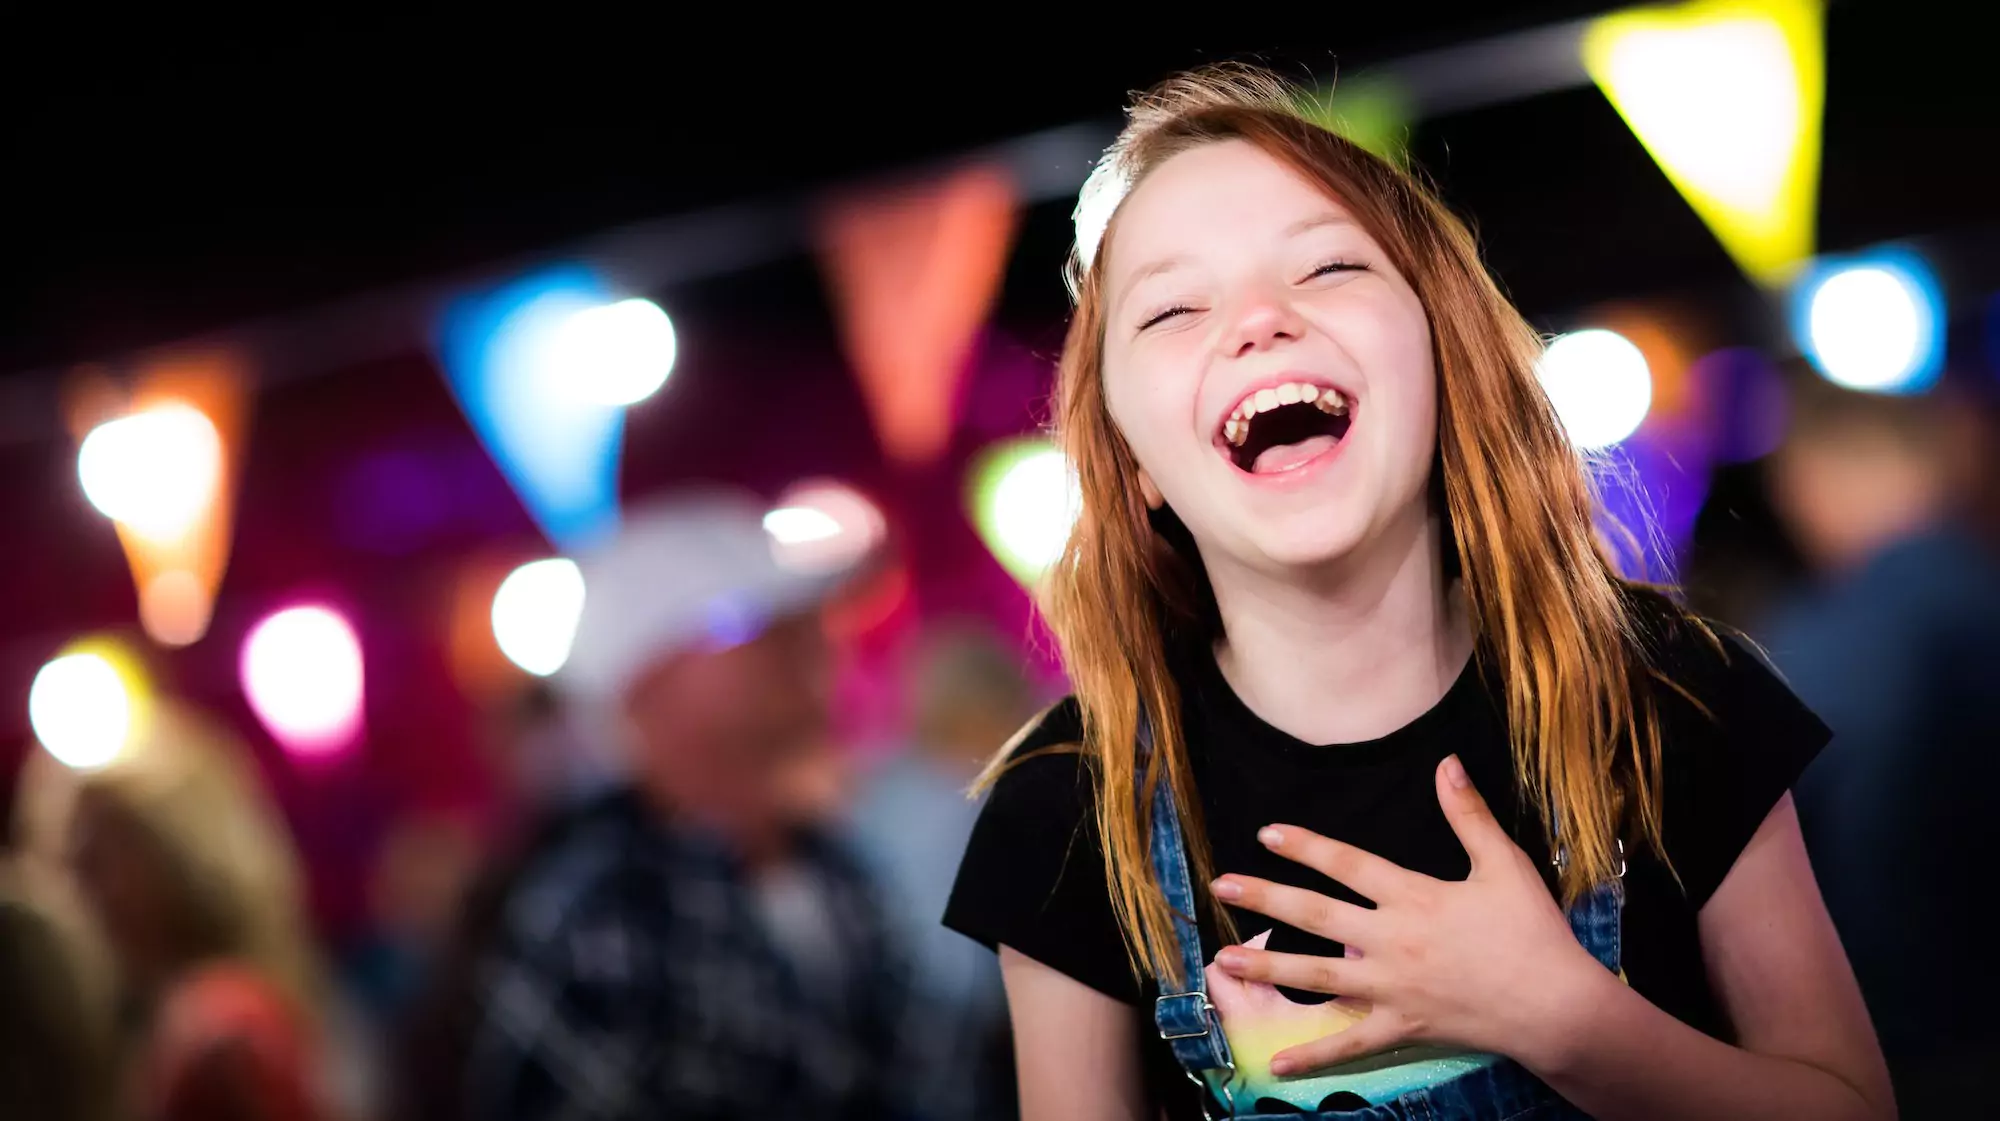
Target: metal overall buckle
pixel 1561 858
pixel 1207 1015
pixel 1228 1093
pixel 1212 1024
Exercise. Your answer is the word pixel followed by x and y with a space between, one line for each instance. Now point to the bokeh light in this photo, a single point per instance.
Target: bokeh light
pixel 81 710
pixel 155 471
pixel 302 672
pixel 1600 386
pixel 1872 324
pixel 1746 404
pixel 535 613
pixel 175 608
pixel 800 525
pixel 824 526
pixel 614 354
pixel 1025 499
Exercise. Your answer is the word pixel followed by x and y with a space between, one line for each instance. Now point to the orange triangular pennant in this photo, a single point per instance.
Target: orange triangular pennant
pixel 176 576
pixel 913 273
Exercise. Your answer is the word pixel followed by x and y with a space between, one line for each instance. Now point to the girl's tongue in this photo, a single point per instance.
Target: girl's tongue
pixel 1284 457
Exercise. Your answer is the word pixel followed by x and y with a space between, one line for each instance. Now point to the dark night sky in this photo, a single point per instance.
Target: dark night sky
pixel 162 197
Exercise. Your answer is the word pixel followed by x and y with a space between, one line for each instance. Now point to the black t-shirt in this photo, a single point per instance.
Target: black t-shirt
pixel 1033 873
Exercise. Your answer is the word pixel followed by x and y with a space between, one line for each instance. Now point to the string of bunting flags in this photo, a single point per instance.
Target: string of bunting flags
pixel 1727 96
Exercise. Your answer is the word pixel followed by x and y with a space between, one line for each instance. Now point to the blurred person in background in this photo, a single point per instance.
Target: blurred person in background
pixel 1858 473
pixel 546 774
pixel 1896 644
pixel 189 873
pixel 547 759
pixel 435 879
pixel 56 1059
pixel 416 886
pixel 968 694
pixel 685 945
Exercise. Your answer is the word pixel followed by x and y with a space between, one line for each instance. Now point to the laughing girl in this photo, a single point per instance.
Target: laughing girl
pixel 1381 794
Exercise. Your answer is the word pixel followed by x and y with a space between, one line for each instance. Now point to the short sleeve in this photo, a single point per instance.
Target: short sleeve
pixel 1727 762
pixel 1033 873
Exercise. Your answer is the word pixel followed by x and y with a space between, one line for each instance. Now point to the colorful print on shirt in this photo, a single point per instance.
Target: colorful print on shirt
pixel 1260 1021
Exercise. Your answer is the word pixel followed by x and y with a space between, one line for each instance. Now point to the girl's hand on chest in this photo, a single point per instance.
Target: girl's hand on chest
pixel 1486 963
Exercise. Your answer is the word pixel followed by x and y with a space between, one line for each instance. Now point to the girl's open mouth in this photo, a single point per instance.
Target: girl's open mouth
pixel 1284 427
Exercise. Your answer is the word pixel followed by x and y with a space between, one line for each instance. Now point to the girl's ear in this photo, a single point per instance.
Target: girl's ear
pixel 1154 500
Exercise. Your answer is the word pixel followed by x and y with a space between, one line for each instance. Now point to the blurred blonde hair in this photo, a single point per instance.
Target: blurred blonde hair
pixel 56 1054
pixel 191 788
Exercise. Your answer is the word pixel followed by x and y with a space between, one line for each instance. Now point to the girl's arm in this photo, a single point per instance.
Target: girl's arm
pixel 1075 1049
pixel 1805 1047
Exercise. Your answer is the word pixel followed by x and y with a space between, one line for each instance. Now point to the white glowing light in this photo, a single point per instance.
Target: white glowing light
pixel 80 710
pixel 616 354
pixel 1873 328
pixel 535 613
pixel 824 526
pixel 1599 384
pixel 302 672
pixel 1033 505
pixel 798 525
pixel 154 471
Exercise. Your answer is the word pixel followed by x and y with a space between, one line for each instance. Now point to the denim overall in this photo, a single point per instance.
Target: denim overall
pixel 1500 1091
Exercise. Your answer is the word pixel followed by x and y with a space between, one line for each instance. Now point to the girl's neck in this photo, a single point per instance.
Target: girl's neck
pixel 1351 654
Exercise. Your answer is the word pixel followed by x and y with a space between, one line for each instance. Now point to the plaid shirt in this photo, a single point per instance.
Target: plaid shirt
pixel 633 977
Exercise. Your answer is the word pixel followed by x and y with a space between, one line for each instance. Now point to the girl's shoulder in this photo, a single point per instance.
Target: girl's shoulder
pixel 1057 726
pixel 1042 771
pixel 1032 876
pixel 1705 668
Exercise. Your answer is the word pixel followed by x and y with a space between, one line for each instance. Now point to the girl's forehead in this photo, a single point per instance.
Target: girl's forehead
pixel 1219 197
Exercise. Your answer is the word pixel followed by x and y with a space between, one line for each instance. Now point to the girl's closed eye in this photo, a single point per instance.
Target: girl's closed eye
pixel 1162 316
pixel 1338 266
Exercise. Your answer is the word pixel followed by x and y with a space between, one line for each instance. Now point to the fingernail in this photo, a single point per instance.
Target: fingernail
pixel 1230 958
pixel 1227 889
pixel 1271 836
pixel 1454 773
pixel 1281 1066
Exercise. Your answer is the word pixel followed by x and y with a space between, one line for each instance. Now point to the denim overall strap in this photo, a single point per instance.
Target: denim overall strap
pixel 1182 1013
pixel 1597 918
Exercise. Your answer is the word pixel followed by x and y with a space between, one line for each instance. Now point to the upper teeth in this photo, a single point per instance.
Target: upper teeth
pixel 1237 428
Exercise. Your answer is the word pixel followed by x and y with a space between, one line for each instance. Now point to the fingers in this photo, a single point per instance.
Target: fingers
pixel 1306 910
pixel 1482 835
pixel 1309 972
pixel 1368 874
pixel 1238 1001
pixel 1378 1031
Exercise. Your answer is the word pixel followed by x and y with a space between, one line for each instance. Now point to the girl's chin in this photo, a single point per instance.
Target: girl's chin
pixel 1313 549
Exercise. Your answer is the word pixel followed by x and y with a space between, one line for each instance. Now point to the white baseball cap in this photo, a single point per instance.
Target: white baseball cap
pixel 690 568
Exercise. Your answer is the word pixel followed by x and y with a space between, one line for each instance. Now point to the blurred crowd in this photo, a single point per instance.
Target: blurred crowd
pixel 698 904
